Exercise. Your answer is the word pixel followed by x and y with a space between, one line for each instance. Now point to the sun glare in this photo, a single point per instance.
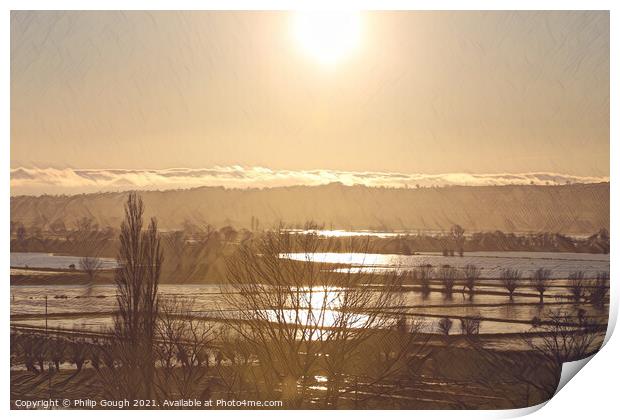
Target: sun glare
pixel 327 36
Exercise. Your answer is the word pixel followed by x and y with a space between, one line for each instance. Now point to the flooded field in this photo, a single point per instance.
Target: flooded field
pixel 91 308
pixel 52 261
pixel 491 263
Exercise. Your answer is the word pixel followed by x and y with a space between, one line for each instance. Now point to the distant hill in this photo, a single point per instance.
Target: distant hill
pixel 571 209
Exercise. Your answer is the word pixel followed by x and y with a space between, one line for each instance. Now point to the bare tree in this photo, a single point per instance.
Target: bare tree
pixel 470 326
pixel 300 321
pixel 539 281
pixel 510 279
pixel 448 276
pixel 425 275
pixel 458 236
pixel 599 290
pixel 77 354
pixel 562 339
pixel 25 344
pixel 472 274
pixel 576 285
pixel 58 349
pixel 40 349
pixel 90 265
pixel 95 353
pixel 444 326
pixel 182 349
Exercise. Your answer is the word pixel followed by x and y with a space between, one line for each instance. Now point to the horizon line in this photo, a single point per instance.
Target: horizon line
pixel 33 181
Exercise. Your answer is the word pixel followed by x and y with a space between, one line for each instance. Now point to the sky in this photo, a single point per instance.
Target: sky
pixel 458 96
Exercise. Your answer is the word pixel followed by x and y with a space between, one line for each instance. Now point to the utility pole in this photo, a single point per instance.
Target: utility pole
pixel 45 316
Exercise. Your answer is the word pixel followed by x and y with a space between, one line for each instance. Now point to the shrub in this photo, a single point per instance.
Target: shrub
pixel 539 281
pixel 95 356
pixel 470 326
pixel 576 286
pixel 425 274
pixel 472 273
pixel 510 280
pixel 444 326
pixel 57 352
pixel 447 275
pixel 78 354
pixel 600 289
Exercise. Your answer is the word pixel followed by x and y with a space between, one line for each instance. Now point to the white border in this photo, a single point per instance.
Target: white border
pixel 592 395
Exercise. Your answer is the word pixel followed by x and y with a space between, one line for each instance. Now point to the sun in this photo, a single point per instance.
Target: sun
pixel 329 37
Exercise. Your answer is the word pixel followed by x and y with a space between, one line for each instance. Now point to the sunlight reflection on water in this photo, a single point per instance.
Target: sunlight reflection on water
pixel 491 263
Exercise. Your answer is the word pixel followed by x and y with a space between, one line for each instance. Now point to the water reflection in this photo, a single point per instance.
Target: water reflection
pixel 339 233
pixel 491 263
pixel 314 313
pixel 50 260
pixel 318 311
pixel 316 324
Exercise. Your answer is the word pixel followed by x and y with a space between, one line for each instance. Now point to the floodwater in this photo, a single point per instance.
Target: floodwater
pixel 53 261
pixel 561 264
pixel 90 308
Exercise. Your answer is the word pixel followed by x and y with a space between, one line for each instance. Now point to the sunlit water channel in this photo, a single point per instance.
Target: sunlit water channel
pixel 80 307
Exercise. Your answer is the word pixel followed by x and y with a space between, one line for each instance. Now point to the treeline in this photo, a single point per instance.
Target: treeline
pixel 197 254
pixel 598 243
pixel 458 242
pixel 192 255
pixel 80 239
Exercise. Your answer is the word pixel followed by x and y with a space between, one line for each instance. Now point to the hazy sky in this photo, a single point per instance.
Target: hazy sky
pixel 421 92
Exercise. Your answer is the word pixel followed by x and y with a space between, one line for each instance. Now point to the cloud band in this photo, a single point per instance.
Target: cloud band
pixel 35 181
